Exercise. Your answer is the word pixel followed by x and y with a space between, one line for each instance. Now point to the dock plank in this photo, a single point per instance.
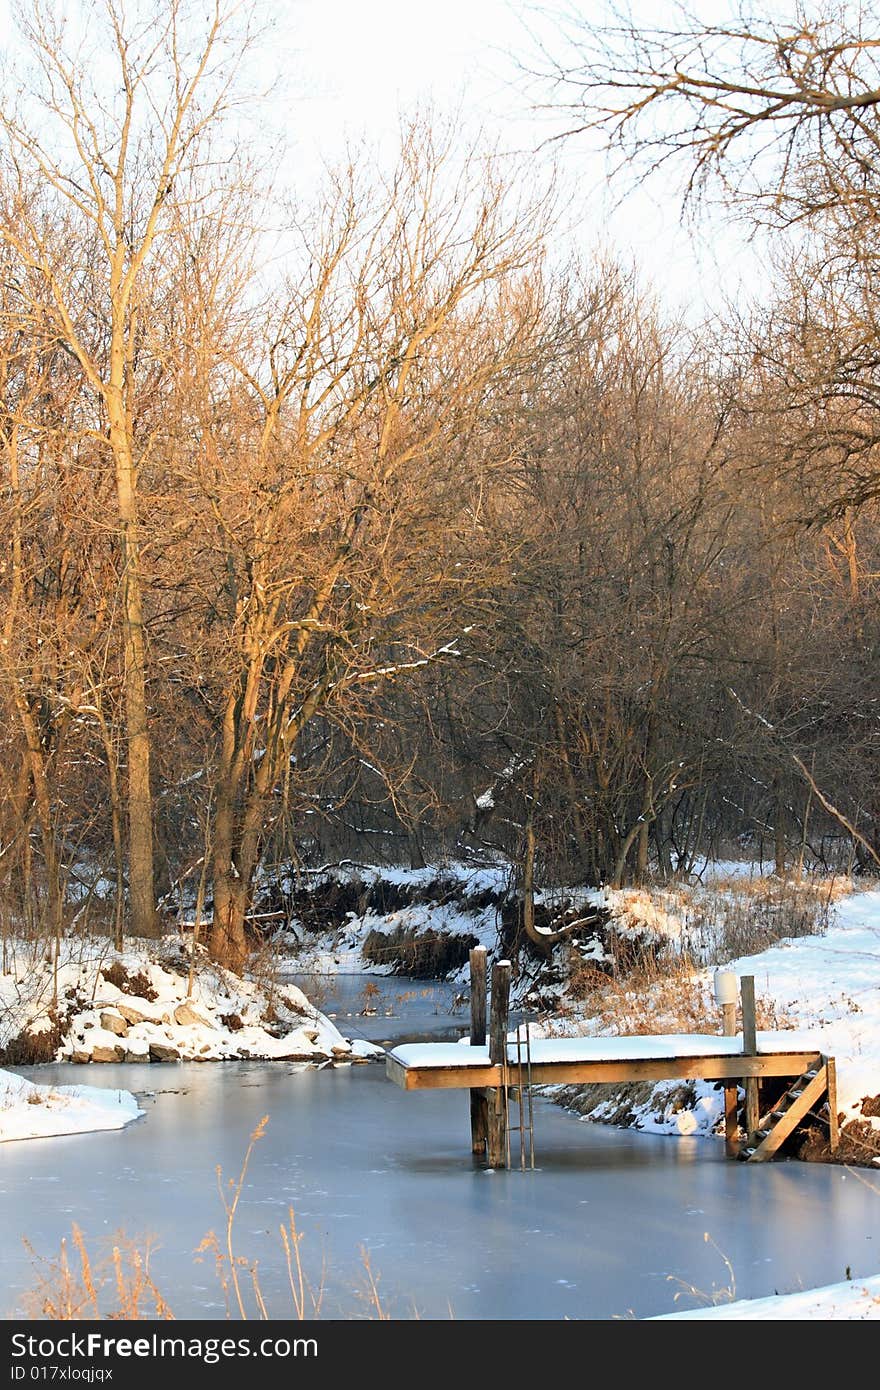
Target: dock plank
pixel 707 1067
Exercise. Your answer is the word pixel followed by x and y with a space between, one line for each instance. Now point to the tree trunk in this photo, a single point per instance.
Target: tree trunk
pixel 144 921
pixel 116 822
pixel 529 892
pixel 662 835
pixel 226 942
pixel 779 841
pixel 43 804
pixel 642 852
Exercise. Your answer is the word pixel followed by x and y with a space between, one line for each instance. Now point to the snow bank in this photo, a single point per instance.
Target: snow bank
pixel 458 914
pixel 827 986
pixel 857 1299
pixel 830 985
pixel 28 1111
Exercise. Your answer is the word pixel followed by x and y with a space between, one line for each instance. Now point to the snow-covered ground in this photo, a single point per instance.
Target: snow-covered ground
pixel 38 1112
pixel 858 1299
pixel 826 986
pixel 830 985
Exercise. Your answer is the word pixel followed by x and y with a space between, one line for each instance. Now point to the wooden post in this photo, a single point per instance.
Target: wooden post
pixel 479 1104
pixel 833 1122
pixel 750 1048
pixel 731 1144
pixel 750 1035
pixel 498 1022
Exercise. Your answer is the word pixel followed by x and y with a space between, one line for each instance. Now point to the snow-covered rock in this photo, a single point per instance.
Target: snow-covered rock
pixel 140 1005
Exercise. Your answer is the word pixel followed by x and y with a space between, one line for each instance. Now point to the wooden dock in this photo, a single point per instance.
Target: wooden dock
pixel 491 1069
pixel 581 1061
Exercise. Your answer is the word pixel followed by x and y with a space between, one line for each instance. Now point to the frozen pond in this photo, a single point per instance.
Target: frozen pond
pixel 605 1227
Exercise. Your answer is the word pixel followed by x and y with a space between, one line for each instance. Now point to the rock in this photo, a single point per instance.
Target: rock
pixel 137 1056
pixel 108 1054
pixel 114 1023
pixel 160 1052
pixel 187 1015
pixel 341 1051
pixel 141 1012
pixel 311 1034
pixel 77 1056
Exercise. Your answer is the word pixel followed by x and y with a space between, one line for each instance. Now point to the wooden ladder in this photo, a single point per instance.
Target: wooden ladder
pixel 802 1096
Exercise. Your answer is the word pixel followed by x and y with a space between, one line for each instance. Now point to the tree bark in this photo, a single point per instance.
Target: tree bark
pixel 142 904
pixel 779 839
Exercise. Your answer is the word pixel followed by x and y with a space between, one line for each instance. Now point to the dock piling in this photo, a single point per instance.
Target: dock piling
pixel 479 1103
pixel 497 1095
pixel 731 1092
pixel 750 1048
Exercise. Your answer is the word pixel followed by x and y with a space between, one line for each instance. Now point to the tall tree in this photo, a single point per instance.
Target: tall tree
pixel 785 112
pixel 109 130
pixel 340 473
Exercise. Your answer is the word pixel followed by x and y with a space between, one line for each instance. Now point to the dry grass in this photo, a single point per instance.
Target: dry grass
pixel 75 1286
pixel 731 917
pixel 715 1297
pixel 120 1284
pixel 659 943
pixel 746 916
pixel 653 978
pixel 668 995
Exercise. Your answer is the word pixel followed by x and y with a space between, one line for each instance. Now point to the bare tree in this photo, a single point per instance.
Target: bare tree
pixel 339 471
pixel 785 113
pixel 108 131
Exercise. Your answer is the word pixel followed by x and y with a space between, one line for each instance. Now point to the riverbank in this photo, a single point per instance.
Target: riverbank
pixel 827 985
pixel 146 1003
pixel 611 1224
pixel 633 961
pixel 855 1300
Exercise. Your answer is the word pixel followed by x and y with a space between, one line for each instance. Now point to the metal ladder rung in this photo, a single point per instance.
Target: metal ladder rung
pixel 522 1090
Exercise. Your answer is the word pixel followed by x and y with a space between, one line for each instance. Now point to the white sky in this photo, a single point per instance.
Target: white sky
pixel 352 69
pixel 356 65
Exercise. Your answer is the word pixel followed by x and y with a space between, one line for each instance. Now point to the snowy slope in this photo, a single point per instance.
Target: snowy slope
pixel 136 1006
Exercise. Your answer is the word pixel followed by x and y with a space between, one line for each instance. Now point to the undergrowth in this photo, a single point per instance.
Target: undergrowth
pixel 666 995
pixel 651 975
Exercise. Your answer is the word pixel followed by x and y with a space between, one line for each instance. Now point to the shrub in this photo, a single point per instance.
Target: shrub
pixel 132 982
pixel 424 955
